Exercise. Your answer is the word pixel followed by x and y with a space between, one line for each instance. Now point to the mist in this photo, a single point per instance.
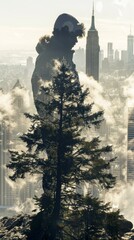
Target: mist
pixel 115 101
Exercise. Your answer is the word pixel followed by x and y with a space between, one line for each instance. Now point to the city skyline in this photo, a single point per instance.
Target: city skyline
pixel 23 23
pixel 20 29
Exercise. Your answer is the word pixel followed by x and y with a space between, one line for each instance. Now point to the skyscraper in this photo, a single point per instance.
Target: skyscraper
pixel 117 55
pixel 110 52
pixel 26 191
pixel 124 57
pixel 6 193
pixel 92 51
pixel 130 47
pixel 130 157
pixel 79 59
pixel 11 127
pixel 29 67
pixel 130 53
pixel 101 58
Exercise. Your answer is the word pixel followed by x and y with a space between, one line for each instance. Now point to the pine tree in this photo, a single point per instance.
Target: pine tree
pixel 58 150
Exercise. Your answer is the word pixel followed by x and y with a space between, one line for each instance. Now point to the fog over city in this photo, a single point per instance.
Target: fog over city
pixel 22 24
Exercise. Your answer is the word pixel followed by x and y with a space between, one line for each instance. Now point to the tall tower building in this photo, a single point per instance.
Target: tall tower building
pixel 101 58
pixel 130 53
pixel 110 52
pixel 124 57
pixel 92 51
pixel 79 59
pixel 29 67
pixel 6 193
pixel 130 47
pixel 130 157
pixel 11 127
pixel 26 191
pixel 117 55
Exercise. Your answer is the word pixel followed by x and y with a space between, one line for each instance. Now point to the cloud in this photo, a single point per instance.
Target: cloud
pixel 116 98
pixel 6 105
pixel 25 208
pixel 97 97
pixel 19 37
pixel 12 107
pixel 19 184
pixel 121 197
pixel 128 87
pixel 24 94
pixel 115 106
pixel 121 3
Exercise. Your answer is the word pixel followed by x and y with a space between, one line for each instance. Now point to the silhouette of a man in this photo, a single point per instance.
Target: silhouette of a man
pixel 57 47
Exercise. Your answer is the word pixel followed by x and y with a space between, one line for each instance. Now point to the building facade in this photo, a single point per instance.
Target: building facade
pixel 130 47
pixel 130 53
pixel 11 127
pixel 110 52
pixel 92 51
pixel 130 155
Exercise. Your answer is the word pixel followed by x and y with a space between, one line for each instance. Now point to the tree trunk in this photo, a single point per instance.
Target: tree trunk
pixel 57 204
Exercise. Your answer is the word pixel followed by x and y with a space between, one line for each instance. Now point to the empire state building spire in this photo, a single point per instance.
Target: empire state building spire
pixel 93 20
pixel 92 50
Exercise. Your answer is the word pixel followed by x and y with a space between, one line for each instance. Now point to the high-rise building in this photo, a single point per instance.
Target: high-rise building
pixel 92 51
pixel 101 58
pixel 130 47
pixel 28 73
pixel 7 197
pixel 117 55
pixel 130 53
pixel 110 52
pixel 29 67
pixel 11 127
pixel 79 59
pixel 124 57
pixel 130 156
pixel 27 191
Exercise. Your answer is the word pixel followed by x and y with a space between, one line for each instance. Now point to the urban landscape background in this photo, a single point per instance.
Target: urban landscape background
pixel 110 26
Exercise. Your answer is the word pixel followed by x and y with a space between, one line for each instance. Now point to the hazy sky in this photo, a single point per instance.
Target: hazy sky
pixel 22 22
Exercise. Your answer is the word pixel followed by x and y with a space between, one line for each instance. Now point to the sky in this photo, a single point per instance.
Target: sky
pixel 23 22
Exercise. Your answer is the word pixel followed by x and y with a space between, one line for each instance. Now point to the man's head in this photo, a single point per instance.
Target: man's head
pixel 67 29
pixel 69 22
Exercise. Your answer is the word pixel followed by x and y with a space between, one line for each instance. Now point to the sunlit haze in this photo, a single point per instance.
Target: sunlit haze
pixel 80 106
pixel 23 22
